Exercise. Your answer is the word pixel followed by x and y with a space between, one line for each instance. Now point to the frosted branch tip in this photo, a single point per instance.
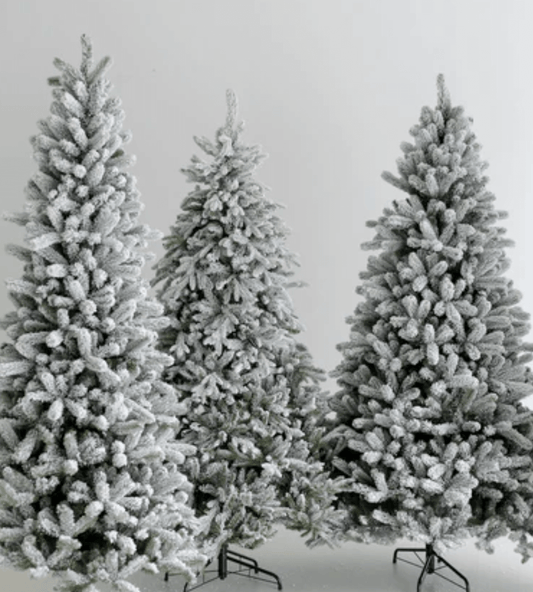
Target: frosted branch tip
pixel 444 99
pixel 231 99
pixel 86 52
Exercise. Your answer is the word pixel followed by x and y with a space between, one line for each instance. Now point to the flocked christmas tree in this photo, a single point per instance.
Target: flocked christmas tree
pixel 91 482
pixel 251 389
pixel 430 427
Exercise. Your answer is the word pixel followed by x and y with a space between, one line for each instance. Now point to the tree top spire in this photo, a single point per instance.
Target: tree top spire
pixel 86 68
pixel 86 53
pixel 444 99
pixel 231 99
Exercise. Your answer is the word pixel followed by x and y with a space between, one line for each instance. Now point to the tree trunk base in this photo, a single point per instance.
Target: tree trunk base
pixel 246 566
pixel 432 564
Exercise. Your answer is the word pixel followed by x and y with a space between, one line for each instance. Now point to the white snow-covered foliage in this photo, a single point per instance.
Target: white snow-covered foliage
pixel 251 389
pixel 91 481
pixel 430 424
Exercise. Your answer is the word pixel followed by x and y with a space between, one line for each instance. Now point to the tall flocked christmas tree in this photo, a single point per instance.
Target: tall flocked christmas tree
pixel 430 424
pixel 251 389
pixel 91 482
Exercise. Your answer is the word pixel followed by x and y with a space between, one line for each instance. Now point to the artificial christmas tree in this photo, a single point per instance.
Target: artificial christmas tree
pixel 91 486
pixel 430 427
pixel 252 393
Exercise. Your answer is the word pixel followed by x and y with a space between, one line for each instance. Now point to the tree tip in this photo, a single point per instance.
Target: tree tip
pixel 86 52
pixel 231 99
pixel 444 100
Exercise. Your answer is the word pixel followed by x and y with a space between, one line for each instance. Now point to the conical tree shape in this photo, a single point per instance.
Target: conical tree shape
pixel 430 424
pixel 251 390
pixel 91 487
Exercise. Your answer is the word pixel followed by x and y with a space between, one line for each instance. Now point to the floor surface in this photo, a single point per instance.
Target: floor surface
pixel 350 568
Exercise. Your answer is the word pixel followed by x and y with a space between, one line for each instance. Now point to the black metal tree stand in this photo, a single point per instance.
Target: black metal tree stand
pixel 246 566
pixel 432 564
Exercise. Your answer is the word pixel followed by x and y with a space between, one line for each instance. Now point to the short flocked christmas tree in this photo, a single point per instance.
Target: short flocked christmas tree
pixel 252 391
pixel 91 481
pixel 430 423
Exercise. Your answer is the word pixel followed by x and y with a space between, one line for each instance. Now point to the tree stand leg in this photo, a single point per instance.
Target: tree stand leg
pixel 245 566
pixel 432 565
